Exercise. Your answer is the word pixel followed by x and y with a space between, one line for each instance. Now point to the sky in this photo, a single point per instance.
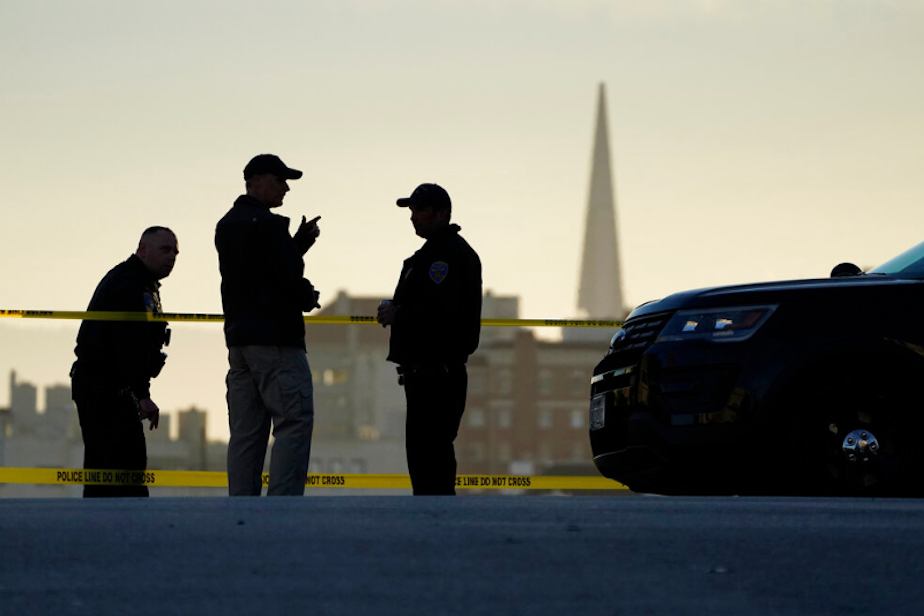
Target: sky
pixel 751 140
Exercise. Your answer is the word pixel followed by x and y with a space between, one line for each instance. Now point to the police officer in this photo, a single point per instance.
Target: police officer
pixel 435 319
pixel 116 360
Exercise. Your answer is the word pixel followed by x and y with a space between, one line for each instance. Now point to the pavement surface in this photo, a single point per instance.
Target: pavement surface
pixel 533 555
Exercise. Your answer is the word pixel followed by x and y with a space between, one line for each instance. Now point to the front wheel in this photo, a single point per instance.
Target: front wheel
pixel 853 441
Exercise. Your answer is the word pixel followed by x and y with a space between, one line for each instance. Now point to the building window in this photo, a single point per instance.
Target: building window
pixel 503 383
pixel 477 451
pixel 357 465
pixel 476 417
pixel 476 381
pixel 545 382
pixel 335 377
pixel 545 453
pixel 545 418
pixel 504 451
pixel 505 418
pixel 577 418
pixel 580 383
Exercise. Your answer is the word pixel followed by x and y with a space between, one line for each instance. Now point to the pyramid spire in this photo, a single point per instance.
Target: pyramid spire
pixel 600 291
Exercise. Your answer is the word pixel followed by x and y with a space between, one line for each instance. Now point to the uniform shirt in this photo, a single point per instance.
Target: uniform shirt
pixel 439 297
pixel 121 354
pixel 263 292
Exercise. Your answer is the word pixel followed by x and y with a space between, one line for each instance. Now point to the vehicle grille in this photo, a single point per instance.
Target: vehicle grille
pixel 640 332
pixel 614 389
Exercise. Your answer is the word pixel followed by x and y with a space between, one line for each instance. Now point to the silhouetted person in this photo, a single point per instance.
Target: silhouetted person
pixel 435 319
pixel 116 360
pixel 264 294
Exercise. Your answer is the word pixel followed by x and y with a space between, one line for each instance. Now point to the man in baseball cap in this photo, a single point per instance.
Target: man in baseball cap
pixel 264 293
pixel 435 319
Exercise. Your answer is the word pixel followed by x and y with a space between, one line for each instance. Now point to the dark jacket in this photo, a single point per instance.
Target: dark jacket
pixel 263 291
pixel 439 297
pixel 120 354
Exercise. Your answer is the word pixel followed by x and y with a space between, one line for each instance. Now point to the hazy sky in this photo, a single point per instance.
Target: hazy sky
pixel 751 140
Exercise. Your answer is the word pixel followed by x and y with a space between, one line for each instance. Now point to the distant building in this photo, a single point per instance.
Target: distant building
pixel 600 288
pixel 23 404
pixel 528 406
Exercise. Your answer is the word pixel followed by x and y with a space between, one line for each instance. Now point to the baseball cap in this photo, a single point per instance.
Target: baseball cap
pixel 427 195
pixel 270 163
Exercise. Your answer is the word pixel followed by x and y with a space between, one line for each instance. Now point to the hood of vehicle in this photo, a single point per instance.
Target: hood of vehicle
pixel 772 292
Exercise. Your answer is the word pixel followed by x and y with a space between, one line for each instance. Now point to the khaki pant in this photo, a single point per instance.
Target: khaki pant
pixel 269 384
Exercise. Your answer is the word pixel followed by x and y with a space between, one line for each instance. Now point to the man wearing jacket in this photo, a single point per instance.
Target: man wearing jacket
pixel 264 293
pixel 116 360
pixel 435 319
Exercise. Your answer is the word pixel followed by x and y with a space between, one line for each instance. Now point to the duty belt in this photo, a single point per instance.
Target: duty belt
pixel 101 385
pixel 423 370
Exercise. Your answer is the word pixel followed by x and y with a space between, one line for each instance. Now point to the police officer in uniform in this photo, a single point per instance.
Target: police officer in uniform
pixel 435 319
pixel 116 360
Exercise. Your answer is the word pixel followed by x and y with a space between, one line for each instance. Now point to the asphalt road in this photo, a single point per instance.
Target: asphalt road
pixel 533 555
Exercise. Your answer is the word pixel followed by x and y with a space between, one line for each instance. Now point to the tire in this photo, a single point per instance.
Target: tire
pixel 855 439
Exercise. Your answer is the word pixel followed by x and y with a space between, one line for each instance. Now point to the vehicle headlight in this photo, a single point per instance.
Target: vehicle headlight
pixel 716 324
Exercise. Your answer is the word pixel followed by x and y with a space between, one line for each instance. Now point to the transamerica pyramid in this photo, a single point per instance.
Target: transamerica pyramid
pixel 600 290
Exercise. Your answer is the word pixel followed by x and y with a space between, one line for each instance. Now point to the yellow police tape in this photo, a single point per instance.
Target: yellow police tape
pixel 324 320
pixel 211 479
pixel 48 476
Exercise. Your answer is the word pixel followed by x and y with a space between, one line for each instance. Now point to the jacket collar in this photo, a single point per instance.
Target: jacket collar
pixel 451 229
pixel 250 201
pixel 138 265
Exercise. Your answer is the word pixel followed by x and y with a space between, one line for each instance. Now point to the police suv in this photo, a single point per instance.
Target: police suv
pixel 793 387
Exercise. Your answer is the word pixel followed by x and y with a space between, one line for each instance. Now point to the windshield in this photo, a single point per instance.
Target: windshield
pixel 909 264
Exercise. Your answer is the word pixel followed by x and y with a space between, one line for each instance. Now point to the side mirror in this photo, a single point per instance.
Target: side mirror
pixel 845 269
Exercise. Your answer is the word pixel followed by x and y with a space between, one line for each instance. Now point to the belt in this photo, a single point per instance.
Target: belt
pixel 426 370
pixel 100 385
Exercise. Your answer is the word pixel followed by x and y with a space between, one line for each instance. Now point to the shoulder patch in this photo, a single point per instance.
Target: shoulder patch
pixel 438 271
